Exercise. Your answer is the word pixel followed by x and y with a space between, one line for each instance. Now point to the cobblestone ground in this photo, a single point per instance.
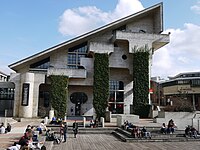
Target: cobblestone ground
pixel 108 142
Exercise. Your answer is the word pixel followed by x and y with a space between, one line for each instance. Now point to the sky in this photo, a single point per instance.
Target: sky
pixel 28 27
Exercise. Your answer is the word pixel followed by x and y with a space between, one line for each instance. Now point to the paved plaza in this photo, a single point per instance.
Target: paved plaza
pixel 98 141
pixel 108 142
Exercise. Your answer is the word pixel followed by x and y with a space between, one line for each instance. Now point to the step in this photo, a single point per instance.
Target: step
pixel 119 136
pixel 87 130
pixel 124 132
pixel 126 137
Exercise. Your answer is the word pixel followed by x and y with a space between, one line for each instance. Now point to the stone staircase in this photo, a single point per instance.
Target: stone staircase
pixel 156 136
pixel 81 130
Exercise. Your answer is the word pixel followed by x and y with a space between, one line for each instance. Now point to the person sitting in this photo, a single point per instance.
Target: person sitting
pixel 28 128
pixel 92 123
pixel 194 132
pixel 163 129
pixel 125 125
pixel 59 121
pixel 187 131
pixel 2 128
pixel 53 121
pixel 136 132
pixel 41 127
pixel 8 129
pixel 145 133
pixel 26 139
pixel 171 127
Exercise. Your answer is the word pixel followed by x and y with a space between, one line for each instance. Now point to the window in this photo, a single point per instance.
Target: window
pixel 43 64
pixel 7 93
pixel 195 82
pixel 78 97
pixel 75 54
pixel 116 101
pixel 184 82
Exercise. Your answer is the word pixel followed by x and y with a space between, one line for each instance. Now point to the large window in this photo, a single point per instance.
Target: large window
pixel 43 64
pixel 116 101
pixel 195 82
pixel 75 54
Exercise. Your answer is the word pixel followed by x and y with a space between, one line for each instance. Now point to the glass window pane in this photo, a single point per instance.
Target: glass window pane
pixel 120 108
pixel 112 97
pixel 120 96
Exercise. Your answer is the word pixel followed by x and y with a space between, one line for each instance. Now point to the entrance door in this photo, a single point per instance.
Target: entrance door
pixel 78 98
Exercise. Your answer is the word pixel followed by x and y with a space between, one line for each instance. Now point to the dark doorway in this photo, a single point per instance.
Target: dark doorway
pixel 78 98
pixel 44 100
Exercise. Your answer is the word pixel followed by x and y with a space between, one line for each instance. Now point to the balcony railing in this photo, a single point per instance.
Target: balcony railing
pixel 71 73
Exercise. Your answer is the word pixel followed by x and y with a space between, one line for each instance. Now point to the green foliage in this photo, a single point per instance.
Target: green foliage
pixel 142 109
pixel 59 94
pixel 140 79
pixel 101 84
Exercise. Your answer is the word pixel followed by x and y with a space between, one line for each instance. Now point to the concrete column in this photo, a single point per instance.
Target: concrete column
pixel 102 122
pixel 193 102
pixel 27 111
pixel 84 122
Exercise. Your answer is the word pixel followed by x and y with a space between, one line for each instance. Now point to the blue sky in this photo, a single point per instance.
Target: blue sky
pixel 27 27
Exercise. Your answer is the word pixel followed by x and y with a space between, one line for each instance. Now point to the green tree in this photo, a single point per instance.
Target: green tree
pixel 59 94
pixel 101 84
pixel 141 80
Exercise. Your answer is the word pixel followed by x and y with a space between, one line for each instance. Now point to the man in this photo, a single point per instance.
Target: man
pixel 75 128
pixel 65 131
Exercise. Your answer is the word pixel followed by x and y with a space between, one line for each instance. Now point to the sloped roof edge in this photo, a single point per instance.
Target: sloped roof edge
pixel 13 65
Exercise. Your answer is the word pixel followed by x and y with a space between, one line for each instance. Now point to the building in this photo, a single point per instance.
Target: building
pixel 74 58
pixel 183 87
pixel 6 95
pixel 3 77
pixel 156 91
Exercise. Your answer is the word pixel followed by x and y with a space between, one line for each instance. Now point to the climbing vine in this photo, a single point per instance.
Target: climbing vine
pixel 59 94
pixel 141 81
pixel 101 84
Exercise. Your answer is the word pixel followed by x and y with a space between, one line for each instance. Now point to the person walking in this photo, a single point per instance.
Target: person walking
pixel 65 131
pixel 75 128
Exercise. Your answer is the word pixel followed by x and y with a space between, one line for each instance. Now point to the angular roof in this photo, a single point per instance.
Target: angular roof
pixel 111 26
pixel 3 73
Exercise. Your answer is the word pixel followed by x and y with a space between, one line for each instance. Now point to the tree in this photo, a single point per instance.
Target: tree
pixel 101 84
pixel 59 94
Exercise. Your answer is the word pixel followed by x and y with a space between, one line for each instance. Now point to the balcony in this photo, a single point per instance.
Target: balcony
pixel 155 41
pixel 71 73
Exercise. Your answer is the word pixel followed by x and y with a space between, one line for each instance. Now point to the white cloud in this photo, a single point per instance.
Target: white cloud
pixel 181 54
pixel 196 8
pixel 83 19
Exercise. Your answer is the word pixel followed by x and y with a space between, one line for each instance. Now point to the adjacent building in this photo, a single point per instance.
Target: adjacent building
pixel 74 58
pixel 6 95
pixel 184 87
pixel 3 77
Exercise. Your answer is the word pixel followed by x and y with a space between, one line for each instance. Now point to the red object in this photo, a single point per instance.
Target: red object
pixel 150 90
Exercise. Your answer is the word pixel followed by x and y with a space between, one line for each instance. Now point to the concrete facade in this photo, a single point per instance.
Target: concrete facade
pixel 118 39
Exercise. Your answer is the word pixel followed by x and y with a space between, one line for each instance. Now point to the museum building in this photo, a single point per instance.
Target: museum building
pixel 75 59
